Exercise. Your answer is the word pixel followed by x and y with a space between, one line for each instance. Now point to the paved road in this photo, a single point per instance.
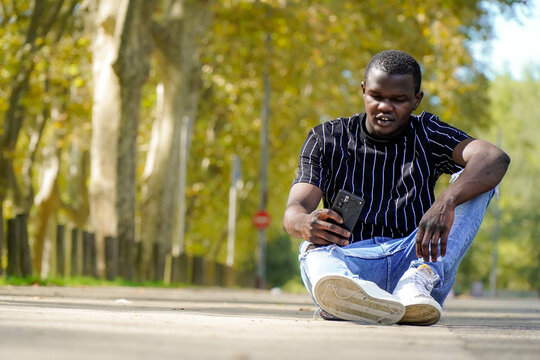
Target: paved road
pixel 144 323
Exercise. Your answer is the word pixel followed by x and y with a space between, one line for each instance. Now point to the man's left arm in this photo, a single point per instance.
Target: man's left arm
pixel 484 167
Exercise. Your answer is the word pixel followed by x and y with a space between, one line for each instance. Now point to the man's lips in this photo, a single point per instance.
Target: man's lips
pixel 384 119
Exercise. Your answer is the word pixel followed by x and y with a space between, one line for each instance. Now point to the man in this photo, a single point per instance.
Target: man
pixel 399 261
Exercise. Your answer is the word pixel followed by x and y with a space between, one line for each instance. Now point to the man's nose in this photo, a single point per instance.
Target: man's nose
pixel 385 105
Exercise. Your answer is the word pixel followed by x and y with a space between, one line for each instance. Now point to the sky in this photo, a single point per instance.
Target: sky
pixel 516 43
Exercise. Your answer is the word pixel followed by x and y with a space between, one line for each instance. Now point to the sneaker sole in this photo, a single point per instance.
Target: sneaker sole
pixel 420 314
pixel 347 300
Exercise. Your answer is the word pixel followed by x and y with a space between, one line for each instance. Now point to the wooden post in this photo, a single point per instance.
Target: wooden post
pixel 1 238
pixel 181 266
pixel 229 276
pixel 86 253
pixel 219 274
pixel 13 267
pixel 159 261
pixel 247 279
pixel 185 267
pixel 175 269
pixel 122 261
pixel 60 251
pixel 24 249
pixel 129 266
pixel 138 261
pixel 93 256
pixel 111 257
pixel 209 274
pixel 198 273
pixel 126 258
pixel 75 269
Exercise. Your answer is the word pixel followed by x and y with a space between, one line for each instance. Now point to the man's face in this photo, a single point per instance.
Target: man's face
pixel 389 101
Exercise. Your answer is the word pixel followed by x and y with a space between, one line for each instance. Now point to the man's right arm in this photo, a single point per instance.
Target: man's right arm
pixel 303 220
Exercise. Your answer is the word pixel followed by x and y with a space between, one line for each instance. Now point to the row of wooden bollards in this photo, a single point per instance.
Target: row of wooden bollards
pixel 19 260
pixel 77 256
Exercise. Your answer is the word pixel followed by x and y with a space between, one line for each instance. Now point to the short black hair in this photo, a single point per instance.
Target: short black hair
pixel 396 62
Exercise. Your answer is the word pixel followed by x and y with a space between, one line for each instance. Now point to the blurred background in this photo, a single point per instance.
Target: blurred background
pixel 156 141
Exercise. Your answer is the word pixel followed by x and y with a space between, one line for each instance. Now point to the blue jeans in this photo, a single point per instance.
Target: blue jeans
pixel 384 260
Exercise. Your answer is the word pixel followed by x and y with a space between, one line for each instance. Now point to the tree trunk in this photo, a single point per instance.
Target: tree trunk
pixel 106 20
pixel 46 202
pixel 13 117
pixel 77 188
pixel 42 19
pixel 178 66
pixel 132 68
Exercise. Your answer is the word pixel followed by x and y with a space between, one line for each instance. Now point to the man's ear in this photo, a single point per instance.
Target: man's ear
pixel 418 98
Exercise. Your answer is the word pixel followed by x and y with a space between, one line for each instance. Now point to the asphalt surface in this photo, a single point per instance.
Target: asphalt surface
pixel 146 323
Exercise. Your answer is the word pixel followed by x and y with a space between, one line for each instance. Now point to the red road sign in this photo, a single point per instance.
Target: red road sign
pixel 261 219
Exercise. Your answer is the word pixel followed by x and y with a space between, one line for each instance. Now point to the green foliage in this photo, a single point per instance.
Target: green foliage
pixel 314 53
pixel 281 261
pixel 515 123
pixel 79 281
pixel 56 102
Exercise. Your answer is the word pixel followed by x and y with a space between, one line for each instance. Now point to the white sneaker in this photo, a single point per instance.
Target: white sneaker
pixel 356 300
pixel 413 290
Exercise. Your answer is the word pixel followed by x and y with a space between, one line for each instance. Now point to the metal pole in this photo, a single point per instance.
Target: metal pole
pixel 265 116
pixel 496 236
pixel 494 253
pixel 231 228
pixel 184 148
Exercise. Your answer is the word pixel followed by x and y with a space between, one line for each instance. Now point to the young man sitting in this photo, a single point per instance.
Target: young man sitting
pixel 398 263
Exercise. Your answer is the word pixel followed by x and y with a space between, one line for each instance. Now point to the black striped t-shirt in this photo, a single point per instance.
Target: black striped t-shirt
pixel 396 178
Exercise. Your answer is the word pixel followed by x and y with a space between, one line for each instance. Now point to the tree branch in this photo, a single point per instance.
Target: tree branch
pixel 12 122
pixel 5 15
pixel 31 34
pixel 52 19
pixel 63 20
pixel 16 10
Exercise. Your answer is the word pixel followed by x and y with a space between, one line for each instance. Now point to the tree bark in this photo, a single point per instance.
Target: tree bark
pixel 176 39
pixel 79 210
pixel 105 21
pixel 46 202
pixel 132 68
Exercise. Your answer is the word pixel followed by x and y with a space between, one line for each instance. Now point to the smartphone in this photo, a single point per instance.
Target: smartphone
pixel 348 206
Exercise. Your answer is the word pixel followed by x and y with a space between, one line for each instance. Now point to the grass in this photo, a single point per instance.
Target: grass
pixel 81 281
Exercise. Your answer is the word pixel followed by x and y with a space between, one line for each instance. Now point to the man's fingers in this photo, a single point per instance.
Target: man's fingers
pixel 319 241
pixel 325 238
pixel 332 238
pixel 334 229
pixel 327 220
pixel 444 239
pixel 425 245
pixel 331 214
pixel 332 233
pixel 425 249
pixel 418 240
pixel 434 248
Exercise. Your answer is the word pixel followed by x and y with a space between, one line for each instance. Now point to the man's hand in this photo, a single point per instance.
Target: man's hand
pixel 485 166
pixel 319 228
pixel 302 220
pixel 434 227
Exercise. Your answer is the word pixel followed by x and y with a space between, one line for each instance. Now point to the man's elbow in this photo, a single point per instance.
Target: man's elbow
pixel 503 160
pixel 500 164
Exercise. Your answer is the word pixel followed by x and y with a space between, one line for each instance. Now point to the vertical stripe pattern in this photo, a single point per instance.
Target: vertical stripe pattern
pixel 395 178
